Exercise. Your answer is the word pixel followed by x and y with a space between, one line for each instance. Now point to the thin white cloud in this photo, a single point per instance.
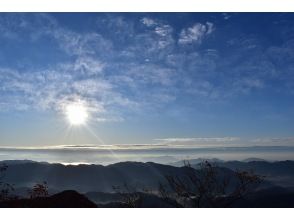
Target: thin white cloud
pixel 56 87
pixel 88 65
pixel 210 27
pixel 199 141
pixel 148 22
pixel 196 33
pixel 274 141
pixel 162 30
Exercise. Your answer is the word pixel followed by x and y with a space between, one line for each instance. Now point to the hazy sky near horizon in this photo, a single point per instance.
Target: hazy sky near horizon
pixel 164 154
pixel 199 79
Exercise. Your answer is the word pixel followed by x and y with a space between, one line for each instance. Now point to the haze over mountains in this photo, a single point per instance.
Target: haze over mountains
pixel 97 182
pixel 101 178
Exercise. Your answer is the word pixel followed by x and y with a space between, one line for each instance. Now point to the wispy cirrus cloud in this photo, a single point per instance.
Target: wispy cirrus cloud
pixel 55 88
pixel 136 64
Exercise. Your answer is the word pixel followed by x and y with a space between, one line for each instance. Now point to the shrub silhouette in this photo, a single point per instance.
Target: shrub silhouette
pixel 5 188
pixel 39 190
pixel 205 187
pixel 130 196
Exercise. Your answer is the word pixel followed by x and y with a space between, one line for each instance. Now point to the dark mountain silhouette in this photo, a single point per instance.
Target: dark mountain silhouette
pixel 84 178
pixel 13 162
pixel 65 199
pixel 103 198
pixel 195 161
pixel 273 168
pixel 250 159
pixel 275 197
pixel 116 200
pixel 97 181
pixel 280 172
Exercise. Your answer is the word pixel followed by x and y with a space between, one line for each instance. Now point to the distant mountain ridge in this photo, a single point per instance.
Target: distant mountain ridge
pixel 96 182
pixel 195 161
pixel 98 178
pixel 279 172
pixel 84 178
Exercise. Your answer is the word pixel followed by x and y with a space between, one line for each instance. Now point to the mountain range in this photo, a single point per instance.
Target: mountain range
pixel 104 185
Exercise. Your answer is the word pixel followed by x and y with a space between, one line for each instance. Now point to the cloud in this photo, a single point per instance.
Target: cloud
pixel 199 141
pixel 148 22
pixel 147 73
pixel 56 87
pixel 196 33
pixel 81 79
pixel 130 65
pixel 274 141
pixel 88 65
pixel 161 33
pixel 227 141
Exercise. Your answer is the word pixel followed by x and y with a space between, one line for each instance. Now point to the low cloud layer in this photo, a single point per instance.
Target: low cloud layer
pixel 200 141
pixel 227 141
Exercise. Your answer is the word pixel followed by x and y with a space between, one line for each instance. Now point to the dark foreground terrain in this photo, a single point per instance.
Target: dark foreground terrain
pixel 65 199
pixel 135 184
pixel 271 198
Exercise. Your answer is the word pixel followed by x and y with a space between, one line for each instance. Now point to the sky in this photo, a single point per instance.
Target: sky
pixel 168 79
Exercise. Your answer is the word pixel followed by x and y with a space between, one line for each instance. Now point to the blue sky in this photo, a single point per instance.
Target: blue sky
pixel 197 79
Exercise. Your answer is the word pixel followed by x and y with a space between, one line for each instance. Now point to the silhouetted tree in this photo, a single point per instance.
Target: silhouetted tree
pixel 5 188
pixel 39 190
pixel 130 195
pixel 207 187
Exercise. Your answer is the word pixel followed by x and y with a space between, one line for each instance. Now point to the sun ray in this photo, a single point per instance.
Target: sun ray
pixel 101 141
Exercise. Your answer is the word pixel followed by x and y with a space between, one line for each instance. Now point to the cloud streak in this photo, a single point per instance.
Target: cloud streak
pixel 199 141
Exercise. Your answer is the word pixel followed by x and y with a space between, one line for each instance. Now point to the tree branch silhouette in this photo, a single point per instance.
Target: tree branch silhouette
pixel 205 187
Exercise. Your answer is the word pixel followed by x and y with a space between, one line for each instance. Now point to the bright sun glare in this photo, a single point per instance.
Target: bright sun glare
pixel 76 114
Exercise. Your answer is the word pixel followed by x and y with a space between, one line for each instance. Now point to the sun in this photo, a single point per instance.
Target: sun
pixel 76 114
